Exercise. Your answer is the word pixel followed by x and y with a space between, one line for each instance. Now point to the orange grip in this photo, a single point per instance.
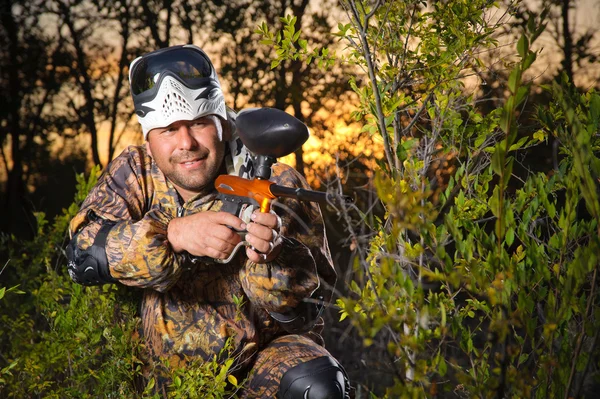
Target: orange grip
pixel 265 205
pixel 259 190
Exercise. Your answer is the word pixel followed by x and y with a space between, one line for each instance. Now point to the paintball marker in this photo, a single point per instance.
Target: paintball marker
pixel 269 134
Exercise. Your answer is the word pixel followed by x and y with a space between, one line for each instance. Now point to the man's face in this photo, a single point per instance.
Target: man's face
pixel 189 153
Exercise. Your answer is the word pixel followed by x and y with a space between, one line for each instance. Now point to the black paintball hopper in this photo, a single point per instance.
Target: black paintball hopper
pixel 270 132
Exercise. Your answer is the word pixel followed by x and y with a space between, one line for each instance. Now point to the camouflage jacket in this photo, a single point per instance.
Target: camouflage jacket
pixel 188 309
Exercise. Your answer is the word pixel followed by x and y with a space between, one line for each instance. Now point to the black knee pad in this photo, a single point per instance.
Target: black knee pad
pixel 320 378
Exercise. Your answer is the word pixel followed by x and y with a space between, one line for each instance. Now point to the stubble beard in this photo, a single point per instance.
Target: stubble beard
pixel 200 180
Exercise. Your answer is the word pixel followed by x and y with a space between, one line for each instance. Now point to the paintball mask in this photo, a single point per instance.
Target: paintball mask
pixel 173 84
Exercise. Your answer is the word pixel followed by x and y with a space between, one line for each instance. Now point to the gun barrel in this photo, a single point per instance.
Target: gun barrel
pixel 308 195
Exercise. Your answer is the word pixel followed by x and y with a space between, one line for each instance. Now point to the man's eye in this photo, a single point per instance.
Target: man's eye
pixel 199 124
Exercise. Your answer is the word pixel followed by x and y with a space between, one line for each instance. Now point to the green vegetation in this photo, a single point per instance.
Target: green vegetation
pixel 62 340
pixel 482 283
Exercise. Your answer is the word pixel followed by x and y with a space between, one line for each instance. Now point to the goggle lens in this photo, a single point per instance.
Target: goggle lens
pixel 186 63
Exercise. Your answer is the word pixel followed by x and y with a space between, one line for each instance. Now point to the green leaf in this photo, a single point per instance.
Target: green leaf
pixel 232 380
pixel 540 135
pixel 531 24
pixel 529 59
pixel 595 109
pixel 510 236
pixel 494 202
pixel 296 36
pixel 499 226
pixel 275 64
pixel 497 163
pixel 523 46
pixel 443 312
pixel 2 291
pixel 410 143
pixel 504 120
pixel 389 120
pixel 521 94
pixel 518 144
pixel 508 170
pixel 551 209
pixel 401 152
pixel 443 367
pixel 460 199
pixel 514 79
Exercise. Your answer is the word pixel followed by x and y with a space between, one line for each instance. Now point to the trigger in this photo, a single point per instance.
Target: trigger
pixel 241 233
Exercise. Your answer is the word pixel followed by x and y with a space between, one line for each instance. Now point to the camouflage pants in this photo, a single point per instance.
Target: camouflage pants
pixel 261 379
pixel 273 361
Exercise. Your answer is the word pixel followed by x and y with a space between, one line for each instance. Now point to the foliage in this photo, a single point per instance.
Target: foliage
pixel 477 282
pixel 60 339
pixel 200 379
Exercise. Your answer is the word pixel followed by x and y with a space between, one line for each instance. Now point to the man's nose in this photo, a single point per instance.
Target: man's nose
pixel 185 139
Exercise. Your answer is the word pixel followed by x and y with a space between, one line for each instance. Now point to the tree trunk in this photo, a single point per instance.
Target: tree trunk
pixel 186 21
pixel 152 22
pixel 299 152
pixel 167 5
pixel 296 86
pixel 116 97
pixel 15 186
pixel 86 86
pixel 567 62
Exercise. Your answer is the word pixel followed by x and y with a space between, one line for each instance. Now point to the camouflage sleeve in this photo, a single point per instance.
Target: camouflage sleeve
pixel 137 250
pixel 304 264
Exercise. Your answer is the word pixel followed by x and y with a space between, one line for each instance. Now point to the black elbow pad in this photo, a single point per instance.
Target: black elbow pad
pixel 90 266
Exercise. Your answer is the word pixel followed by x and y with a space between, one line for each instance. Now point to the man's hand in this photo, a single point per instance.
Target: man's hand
pixel 205 234
pixel 263 235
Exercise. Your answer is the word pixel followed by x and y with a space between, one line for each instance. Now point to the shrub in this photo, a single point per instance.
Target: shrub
pixel 63 340
pixel 476 282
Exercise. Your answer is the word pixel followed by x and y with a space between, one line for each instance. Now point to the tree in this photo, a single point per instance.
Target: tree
pixel 88 30
pixel 33 62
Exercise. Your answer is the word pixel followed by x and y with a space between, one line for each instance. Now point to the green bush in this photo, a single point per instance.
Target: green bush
pixel 62 340
pixel 482 283
pixel 59 338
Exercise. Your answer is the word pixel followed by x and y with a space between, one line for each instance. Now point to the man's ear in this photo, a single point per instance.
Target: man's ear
pixel 228 129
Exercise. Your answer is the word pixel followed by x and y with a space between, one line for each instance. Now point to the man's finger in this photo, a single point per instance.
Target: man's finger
pixel 260 231
pixel 259 244
pixel 256 257
pixel 227 219
pixel 266 219
pixel 223 233
pixel 279 222
pixel 220 245
pixel 215 254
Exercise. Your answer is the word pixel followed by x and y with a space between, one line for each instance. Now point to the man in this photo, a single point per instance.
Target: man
pixel 153 222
